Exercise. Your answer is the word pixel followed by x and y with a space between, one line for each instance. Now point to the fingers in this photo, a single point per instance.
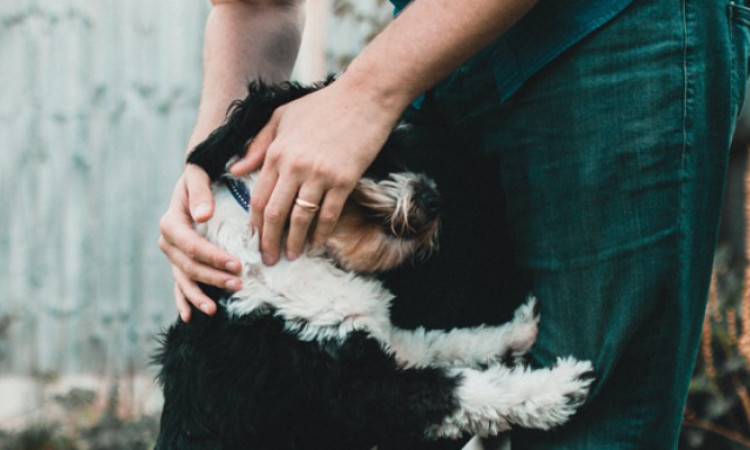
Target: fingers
pixel 328 215
pixel 192 257
pixel 253 159
pixel 257 149
pixel 273 205
pixel 300 220
pixel 184 271
pixel 262 191
pixel 282 206
pixel 187 290
pixel 275 216
pixel 303 152
pixel 268 176
pixel 196 269
pixel 177 233
pixel 181 303
pixel 178 239
pixel 201 202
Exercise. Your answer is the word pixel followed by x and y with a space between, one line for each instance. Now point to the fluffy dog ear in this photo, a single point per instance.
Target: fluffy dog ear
pixel 245 119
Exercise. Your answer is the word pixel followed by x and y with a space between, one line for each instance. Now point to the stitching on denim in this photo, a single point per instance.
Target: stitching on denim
pixel 685 107
pixel 733 18
pixel 739 16
pixel 738 13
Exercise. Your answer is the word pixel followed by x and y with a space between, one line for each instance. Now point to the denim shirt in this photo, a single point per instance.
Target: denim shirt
pixel 551 27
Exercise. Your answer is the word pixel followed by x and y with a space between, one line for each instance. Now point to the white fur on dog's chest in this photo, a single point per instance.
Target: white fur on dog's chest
pixel 323 300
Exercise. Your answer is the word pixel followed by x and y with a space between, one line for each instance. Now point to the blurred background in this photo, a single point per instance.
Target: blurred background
pixel 97 100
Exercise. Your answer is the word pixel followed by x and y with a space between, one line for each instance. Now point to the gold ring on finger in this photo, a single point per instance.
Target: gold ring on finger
pixel 307 206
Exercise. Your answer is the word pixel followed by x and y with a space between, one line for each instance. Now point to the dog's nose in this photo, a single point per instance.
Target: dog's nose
pixel 429 200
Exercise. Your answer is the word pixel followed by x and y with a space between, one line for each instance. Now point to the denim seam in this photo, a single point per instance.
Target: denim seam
pixel 687 81
pixel 510 84
pixel 733 46
pixel 739 13
pixel 738 16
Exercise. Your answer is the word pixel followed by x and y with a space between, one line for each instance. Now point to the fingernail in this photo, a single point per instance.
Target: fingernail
pixel 201 210
pixel 268 259
pixel 232 266
pixel 235 168
pixel 291 256
pixel 184 316
pixel 204 307
pixel 233 284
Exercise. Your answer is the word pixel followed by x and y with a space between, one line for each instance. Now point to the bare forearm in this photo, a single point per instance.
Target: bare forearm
pixel 426 42
pixel 245 41
pixel 317 147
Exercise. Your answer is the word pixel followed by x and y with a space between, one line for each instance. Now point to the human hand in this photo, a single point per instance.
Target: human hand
pixel 314 149
pixel 193 258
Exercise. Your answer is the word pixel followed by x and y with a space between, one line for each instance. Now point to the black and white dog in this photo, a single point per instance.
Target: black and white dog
pixel 304 356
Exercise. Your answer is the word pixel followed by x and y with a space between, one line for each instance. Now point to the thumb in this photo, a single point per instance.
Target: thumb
pixel 200 197
pixel 256 151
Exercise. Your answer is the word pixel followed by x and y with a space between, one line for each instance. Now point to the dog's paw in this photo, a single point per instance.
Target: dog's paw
pixel 522 331
pixel 556 394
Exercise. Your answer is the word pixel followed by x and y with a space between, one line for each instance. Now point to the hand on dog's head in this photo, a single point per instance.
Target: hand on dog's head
pixel 389 218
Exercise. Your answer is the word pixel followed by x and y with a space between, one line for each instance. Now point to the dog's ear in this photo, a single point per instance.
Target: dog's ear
pixel 416 138
pixel 245 119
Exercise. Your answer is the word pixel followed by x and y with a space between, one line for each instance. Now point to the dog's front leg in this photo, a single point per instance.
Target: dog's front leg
pixel 468 346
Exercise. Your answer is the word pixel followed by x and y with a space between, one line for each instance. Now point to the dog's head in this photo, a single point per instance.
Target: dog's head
pixel 386 221
pixel 390 217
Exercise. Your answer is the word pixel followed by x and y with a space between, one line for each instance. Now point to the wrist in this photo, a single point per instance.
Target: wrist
pixel 376 87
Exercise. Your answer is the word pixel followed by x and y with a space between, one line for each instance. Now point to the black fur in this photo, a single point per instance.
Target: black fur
pixel 247 117
pixel 246 383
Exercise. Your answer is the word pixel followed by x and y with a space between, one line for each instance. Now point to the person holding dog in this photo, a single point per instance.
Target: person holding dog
pixel 591 142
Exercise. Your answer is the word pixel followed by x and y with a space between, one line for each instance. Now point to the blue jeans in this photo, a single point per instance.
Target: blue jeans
pixel 598 186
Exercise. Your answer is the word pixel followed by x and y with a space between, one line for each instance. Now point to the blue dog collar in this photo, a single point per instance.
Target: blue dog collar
pixel 239 192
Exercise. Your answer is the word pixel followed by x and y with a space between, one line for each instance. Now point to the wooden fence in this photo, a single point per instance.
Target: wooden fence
pixel 97 99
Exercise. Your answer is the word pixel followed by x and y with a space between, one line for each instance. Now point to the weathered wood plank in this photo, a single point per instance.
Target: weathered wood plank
pixel 96 106
pixel 97 100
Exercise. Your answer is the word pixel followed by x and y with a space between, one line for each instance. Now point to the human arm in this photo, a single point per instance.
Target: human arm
pixel 244 40
pixel 317 147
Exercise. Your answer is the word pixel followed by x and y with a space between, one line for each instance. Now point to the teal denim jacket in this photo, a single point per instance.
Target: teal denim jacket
pixel 550 28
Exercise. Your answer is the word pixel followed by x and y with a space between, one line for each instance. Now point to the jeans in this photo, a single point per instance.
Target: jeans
pixel 598 187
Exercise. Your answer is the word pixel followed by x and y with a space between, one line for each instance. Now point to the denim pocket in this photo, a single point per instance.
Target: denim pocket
pixel 739 17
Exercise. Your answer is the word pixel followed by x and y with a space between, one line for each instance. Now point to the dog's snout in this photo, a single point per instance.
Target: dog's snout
pixel 428 199
pixel 431 202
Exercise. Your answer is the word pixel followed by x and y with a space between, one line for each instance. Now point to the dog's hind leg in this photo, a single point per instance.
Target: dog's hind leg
pixel 469 346
pixel 387 402
pixel 493 400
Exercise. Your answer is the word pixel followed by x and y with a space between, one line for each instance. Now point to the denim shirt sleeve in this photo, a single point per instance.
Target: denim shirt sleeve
pixel 550 28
